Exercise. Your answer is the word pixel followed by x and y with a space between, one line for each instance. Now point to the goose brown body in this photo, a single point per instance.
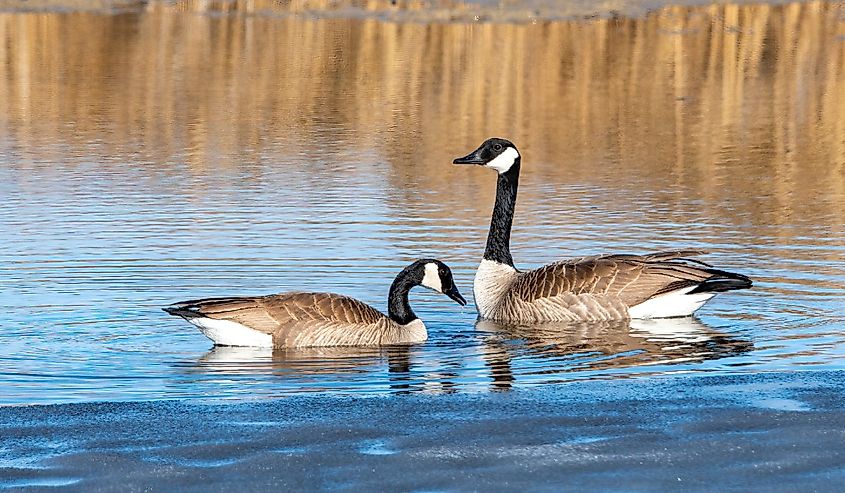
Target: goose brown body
pixel 300 319
pixel 594 288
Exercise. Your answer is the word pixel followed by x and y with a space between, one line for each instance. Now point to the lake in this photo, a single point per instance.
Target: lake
pixel 165 152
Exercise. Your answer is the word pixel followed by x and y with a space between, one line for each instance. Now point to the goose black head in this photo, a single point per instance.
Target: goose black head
pixel 437 276
pixel 499 154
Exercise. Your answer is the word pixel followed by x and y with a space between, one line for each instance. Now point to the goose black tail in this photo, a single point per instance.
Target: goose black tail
pixel 180 311
pixel 721 281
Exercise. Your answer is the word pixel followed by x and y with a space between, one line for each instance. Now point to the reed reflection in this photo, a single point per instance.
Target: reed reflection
pixel 682 97
pixel 540 352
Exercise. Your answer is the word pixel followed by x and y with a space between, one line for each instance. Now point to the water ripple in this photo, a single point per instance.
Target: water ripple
pixel 232 173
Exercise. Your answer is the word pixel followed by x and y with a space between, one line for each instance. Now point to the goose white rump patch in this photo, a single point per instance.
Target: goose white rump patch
pixel 672 304
pixel 228 333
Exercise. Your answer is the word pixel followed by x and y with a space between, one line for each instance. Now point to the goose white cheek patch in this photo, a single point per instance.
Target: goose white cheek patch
pixel 504 161
pixel 432 278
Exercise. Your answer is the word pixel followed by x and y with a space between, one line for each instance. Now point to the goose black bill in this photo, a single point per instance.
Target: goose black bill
pixel 455 295
pixel 472 158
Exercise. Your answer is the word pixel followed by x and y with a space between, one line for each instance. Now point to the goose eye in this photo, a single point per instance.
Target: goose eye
pixel 497 147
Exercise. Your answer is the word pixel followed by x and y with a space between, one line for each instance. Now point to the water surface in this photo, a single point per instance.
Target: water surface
pixel 162 154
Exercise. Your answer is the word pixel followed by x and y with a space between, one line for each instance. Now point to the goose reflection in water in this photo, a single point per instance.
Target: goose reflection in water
pixel 523 354
pixel 508 355
pixel 307 361
pixel 344 369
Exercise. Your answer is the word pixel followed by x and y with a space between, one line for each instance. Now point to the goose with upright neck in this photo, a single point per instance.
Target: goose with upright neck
pixel 604 287
pixel 300 319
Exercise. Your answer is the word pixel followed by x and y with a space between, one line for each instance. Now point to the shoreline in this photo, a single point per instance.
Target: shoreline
pixel 412 11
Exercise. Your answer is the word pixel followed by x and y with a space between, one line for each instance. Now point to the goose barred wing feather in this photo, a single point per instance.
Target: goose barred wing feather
pixel 302 319
pixel 246 311
pixel 293 307
pixel 630 278
pixel 325 319
pixel 674 255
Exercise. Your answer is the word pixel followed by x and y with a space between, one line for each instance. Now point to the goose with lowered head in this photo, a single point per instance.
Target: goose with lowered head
pixel 604 287
pixel 299 319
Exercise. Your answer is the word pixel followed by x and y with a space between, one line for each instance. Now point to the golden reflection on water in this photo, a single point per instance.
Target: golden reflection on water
pixel 685 96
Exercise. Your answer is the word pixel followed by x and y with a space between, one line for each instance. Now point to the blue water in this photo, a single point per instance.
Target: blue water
pixel 129 189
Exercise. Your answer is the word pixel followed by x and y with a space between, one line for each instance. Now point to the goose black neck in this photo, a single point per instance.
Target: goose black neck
pixel 499 237
pixel 398 308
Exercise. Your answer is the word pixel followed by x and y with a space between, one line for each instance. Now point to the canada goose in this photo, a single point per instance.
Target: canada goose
pixel 319 319
pixel 605 287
